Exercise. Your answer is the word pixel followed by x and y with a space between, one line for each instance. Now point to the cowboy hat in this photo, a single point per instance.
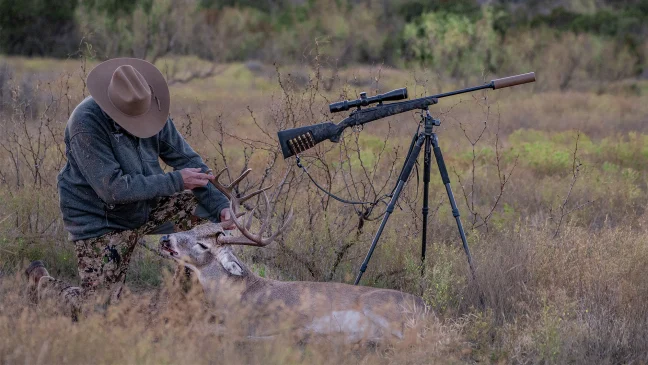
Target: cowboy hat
pixel 133 93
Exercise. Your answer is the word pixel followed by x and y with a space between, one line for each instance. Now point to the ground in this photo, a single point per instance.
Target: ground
pixel 551 186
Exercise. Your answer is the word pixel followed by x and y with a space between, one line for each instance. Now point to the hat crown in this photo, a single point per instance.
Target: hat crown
pixel 133 93
pixel 129 92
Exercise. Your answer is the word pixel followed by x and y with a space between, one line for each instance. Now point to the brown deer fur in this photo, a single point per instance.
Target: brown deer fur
pixel 356 313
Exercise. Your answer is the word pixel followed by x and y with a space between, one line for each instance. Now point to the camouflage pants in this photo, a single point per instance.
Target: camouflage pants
pixel 103 261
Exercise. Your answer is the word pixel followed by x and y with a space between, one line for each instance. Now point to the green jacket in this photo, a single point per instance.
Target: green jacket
pixel 112 179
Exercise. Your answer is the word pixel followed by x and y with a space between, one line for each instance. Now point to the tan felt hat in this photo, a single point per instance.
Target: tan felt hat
pixel 133 93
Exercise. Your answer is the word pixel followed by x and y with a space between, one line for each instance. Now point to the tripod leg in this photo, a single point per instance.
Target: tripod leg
pixel 407 170
pixel 409 152
pixel 453 203
pixel 426 192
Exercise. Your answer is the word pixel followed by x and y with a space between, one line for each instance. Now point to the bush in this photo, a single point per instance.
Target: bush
pixel 574 44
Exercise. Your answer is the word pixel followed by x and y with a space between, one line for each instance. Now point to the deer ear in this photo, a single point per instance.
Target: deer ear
pixel 229 262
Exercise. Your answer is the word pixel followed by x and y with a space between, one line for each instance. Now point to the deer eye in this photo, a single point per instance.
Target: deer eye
pixel 203 246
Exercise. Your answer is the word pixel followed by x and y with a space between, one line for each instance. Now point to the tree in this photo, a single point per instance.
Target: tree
pixel 38 27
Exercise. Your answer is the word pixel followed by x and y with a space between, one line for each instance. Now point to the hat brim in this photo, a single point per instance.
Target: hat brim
pixel 142 126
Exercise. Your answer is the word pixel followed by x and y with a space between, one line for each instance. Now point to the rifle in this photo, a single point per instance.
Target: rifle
pixel 297 140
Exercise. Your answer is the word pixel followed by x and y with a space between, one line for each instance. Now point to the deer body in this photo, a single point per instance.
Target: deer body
pixel 318 308
pixel 308 308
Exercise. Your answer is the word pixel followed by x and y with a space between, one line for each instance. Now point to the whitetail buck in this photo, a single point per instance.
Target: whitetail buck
pixel 356 313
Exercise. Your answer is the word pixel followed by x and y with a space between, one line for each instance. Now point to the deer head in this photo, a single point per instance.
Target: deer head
pixel 199 247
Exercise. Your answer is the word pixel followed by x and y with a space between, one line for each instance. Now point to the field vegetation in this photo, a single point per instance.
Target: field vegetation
pixel 551 177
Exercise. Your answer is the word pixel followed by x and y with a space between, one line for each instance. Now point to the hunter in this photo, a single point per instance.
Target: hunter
pixel 113 190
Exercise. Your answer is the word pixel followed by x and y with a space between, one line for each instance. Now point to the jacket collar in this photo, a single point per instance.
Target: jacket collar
pixel 115 129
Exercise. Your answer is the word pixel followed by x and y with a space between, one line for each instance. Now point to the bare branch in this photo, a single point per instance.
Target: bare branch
pixel 564 211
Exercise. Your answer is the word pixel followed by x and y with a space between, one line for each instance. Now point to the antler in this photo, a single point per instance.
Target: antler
pixel 248 238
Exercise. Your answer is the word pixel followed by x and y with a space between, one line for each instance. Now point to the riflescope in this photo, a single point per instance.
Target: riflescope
pixel 340 106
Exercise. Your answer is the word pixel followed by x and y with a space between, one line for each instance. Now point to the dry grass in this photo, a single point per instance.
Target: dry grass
pixel 168 326
pixel 560 250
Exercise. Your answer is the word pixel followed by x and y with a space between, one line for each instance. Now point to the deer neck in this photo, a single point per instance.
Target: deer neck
pixel 215 279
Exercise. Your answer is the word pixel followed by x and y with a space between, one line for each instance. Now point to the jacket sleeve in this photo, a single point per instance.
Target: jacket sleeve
pixel 177 153
pixel 97 164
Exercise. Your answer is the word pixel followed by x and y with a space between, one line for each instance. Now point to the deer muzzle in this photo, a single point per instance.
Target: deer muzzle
pixel 167 246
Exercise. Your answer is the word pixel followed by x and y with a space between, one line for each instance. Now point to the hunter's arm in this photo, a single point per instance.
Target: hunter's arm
pixel 177 153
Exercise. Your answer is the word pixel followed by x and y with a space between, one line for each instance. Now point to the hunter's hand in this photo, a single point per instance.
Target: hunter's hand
pixel 193 178
pixel 226 219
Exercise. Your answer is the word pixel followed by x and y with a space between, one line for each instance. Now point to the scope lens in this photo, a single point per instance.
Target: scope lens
pixel 398 94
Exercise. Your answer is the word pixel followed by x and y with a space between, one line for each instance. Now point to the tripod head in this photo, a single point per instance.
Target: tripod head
pixel 297 140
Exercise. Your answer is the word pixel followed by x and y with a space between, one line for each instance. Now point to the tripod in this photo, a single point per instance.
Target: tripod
pixel 426 138
pixel 296 140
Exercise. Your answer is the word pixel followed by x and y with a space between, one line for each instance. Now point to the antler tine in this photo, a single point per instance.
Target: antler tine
pixel 253 194
pixel 238 179
pixel 226 190
pixel 286 224
pixel 241 227
pixel 231 240
pixel 248 223
pixel 265 221
pixel 250 239
pixel 242 200
pixel 221 172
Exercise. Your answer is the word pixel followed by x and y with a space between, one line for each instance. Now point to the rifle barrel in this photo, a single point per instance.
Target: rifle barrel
pixel 462 91
pixel 494 84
